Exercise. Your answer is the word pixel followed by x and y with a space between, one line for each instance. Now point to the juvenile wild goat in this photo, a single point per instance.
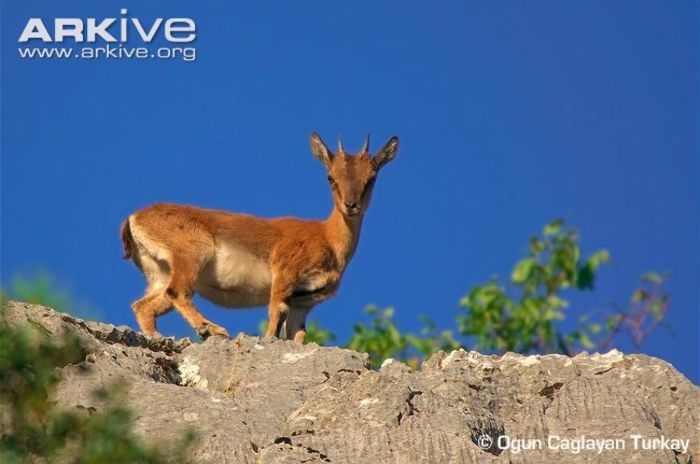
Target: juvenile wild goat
pixel 240 261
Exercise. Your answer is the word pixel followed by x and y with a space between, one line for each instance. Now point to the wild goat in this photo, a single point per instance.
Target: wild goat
pixel 240 261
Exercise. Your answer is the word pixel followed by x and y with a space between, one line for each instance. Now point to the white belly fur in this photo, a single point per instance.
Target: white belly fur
pixel 235 278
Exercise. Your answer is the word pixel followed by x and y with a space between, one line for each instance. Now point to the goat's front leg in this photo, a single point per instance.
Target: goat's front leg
pixel 278 309
pixel 276 317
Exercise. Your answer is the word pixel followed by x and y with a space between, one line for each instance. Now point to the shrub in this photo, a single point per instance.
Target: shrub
pixel 35 429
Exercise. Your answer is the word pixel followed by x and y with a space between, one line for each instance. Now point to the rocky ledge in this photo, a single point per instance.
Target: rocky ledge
pixel 252 400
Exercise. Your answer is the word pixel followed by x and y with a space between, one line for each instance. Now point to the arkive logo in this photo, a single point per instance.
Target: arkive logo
pixel 113 34
pixel 88 30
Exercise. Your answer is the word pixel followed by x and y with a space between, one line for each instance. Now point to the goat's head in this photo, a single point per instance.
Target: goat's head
pixel 352 177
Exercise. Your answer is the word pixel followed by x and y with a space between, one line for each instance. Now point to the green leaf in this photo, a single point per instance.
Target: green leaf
pixel 537 246
pixel 556 302
pixel 612 321
pixel 585 278
pixel 652 277
pixel 586 341
pixel 553 227
pixel 594 328
pixel 639 295
pixel 598 258
pixel 522 270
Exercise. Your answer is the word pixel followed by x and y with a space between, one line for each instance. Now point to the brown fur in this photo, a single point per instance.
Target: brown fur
pixel 184 249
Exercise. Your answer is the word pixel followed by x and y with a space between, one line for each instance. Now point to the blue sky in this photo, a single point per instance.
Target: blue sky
pixel 510 114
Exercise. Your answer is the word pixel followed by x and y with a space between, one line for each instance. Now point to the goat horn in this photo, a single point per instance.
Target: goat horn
pixel 365 147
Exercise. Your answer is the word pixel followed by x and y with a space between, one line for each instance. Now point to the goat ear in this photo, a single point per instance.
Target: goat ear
pixel 320 150
pixel 387 153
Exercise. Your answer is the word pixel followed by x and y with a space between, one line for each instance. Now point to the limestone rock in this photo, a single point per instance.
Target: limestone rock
pixel 252 400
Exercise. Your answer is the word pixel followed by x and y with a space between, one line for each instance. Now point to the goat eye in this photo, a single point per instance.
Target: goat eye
pixel 330 180
pixel 368 185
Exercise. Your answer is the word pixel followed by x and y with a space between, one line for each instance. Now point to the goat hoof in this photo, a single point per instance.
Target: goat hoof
pixel 209 328
pixel 155 335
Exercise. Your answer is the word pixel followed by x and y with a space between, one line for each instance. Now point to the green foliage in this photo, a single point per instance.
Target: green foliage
pixel 644 313
pixel 524 317
pixel 381 339
pixel 40 287
pixel 430 340
pixel 317 334
pixel 35 429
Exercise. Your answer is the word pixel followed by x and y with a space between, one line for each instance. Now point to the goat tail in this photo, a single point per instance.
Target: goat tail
pixel 128 240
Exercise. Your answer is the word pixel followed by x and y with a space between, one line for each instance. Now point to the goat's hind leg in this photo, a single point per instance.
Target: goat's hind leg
pixel 204 327
pixel 147 309
pixel 154 302
pixel 185 270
